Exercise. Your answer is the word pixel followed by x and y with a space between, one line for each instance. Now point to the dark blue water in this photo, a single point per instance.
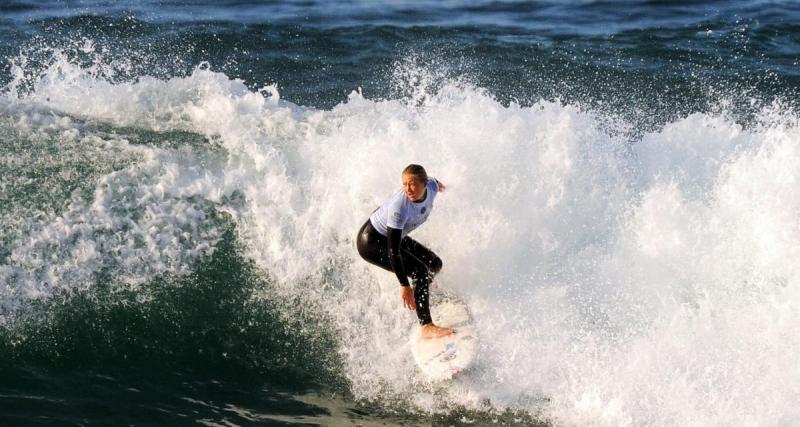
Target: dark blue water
pixel 319 52
pixel 183 333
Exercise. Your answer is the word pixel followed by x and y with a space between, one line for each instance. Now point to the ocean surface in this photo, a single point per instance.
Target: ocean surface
pixel 181 183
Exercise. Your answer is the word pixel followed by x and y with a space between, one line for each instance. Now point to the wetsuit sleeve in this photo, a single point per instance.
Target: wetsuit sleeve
pixel 394 238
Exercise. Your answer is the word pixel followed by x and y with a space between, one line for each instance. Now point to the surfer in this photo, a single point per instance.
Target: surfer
pixel 382 241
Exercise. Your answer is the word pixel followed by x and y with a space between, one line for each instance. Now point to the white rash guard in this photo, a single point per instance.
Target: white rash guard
pixel 403 214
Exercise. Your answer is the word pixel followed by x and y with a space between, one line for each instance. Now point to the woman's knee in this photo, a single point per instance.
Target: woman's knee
pixel 436 265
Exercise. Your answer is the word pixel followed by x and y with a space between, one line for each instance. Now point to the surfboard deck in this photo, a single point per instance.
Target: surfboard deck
pixel 443 358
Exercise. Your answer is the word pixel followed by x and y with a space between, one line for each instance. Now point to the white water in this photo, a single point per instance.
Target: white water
pixel 615 282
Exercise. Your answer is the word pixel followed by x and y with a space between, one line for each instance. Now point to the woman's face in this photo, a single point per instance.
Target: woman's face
pixel 413 187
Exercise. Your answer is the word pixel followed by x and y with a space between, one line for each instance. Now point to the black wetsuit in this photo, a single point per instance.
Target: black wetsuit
pixel 405 257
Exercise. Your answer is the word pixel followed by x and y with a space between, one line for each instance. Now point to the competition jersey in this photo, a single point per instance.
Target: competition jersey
pixel 400 213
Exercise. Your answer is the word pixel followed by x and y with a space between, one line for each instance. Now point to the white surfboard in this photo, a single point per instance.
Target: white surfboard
pixel 443 358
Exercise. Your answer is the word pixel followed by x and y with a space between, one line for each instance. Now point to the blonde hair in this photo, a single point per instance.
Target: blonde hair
pixel 417 171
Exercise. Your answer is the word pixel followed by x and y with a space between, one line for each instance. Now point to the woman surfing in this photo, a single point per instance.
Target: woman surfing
pixel 383 241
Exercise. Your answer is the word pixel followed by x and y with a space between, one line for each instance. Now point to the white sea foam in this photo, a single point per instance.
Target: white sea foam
pixel 615 282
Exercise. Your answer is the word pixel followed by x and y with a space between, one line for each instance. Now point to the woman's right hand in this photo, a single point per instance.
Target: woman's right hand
pixel 408 297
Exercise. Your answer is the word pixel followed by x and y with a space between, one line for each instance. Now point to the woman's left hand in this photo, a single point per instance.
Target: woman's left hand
pixel 408 297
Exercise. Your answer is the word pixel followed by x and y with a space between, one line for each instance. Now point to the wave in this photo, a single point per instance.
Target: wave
pixel 615 279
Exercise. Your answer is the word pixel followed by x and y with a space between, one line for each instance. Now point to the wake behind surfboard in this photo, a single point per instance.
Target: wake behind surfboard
pixel 443 358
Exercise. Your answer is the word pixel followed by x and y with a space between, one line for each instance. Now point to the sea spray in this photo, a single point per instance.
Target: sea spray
pixel 614 280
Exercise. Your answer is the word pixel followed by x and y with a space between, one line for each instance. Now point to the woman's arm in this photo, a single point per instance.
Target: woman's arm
pixel 406 293
pixel 396 261
pixel 441 186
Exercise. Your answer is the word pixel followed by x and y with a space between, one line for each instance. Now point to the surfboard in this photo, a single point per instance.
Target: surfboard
pixel 443 358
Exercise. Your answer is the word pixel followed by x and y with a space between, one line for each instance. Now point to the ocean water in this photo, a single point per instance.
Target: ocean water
pixel 181 184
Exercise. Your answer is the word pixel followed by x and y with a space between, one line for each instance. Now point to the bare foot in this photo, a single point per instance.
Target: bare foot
pixel 432 331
